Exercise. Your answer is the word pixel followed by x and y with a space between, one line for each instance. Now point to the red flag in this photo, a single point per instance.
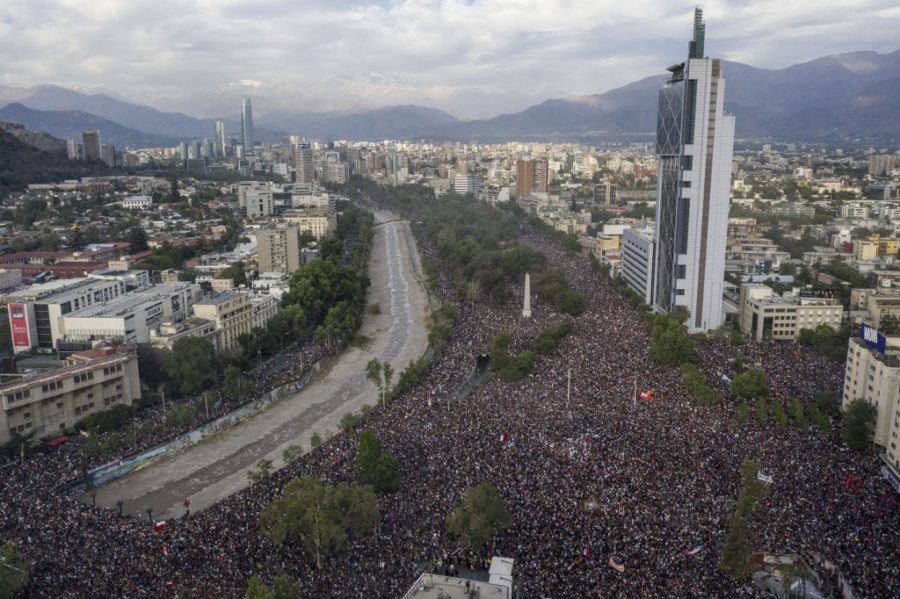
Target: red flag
pixel 159 526
pixel 503 437
pixel 647 395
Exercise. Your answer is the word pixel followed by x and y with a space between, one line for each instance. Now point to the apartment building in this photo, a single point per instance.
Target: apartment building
pixel 873 373
pixel 233 314
pixel 47 404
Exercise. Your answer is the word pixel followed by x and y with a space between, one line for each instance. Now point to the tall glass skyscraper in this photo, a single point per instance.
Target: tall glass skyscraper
pixel 247 125
pixel 694 146
pixel 220 139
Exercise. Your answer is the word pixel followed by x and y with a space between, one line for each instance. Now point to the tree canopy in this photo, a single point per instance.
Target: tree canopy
pixel 479 515
pixel 190 364
pixel 375 467
pixel 750 384
pixel 669 343
pixel 319 517
pixel 13 571
pixel 859 424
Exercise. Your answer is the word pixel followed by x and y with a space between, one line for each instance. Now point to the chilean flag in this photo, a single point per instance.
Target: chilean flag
pixel 159 526
pixel 646 395
pixel 503 437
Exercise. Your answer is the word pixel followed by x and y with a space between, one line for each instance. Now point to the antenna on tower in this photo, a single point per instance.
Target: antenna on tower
pixel 697 42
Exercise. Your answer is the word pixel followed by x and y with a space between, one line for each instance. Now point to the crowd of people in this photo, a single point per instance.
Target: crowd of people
pixel 610 497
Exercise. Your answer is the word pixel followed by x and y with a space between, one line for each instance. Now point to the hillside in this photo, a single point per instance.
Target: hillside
pixel 22 164
pixel 38 139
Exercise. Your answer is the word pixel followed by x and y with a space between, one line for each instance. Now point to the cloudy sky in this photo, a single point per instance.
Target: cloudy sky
pixel 517 48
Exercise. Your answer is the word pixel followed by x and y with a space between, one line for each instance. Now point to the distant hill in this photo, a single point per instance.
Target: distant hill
pixel 22 164
pixel 37 139
pixel 848 94
pixel 67 124
pixel 856 94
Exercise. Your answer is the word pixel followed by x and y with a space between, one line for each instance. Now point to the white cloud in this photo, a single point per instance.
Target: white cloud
pixel 518 47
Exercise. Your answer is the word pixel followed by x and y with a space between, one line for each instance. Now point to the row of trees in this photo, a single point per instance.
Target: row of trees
pixel 478 243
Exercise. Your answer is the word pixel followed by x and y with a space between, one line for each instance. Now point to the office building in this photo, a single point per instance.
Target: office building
pixel 91 147
pixel 638 261
pixel 247 125
pixel 464 184
pixel 73 150
pixel 278 249
pixel 313 221
pixel 233 314
pixel 872 373
pixel 256 198
pixel 47 404
pixel 881 165
pixel 605 193
pixel 303 164
pixel 694 145
pixel 335 172
pixel 765 315
pixel 220 139
pixel 34 313
pixel 531 176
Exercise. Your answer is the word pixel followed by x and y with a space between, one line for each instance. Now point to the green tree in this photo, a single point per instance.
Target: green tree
pixel 381 374
pixel 319 517
pixel 348 421
pixel 190 364
pixel 778 412
pixel 257 589
pixel 261 472
pixel 292 453
pixel 479 515
pixel 374 467
pixel 859 424
pixel 827 403
pixel 285 588
pixel 797 413
pixel 762 411
pixel 6 346
pixel 737 548
pixel 13 572
pixel 819 419
pixel 742 411
pixel 315 440
pixel 137 237
pixel 750 384
pixel 669 343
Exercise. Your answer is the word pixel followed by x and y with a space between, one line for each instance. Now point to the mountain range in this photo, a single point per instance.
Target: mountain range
pixel 856 94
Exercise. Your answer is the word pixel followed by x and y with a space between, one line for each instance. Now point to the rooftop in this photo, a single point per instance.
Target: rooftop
pixel 219 298
pixel 437 586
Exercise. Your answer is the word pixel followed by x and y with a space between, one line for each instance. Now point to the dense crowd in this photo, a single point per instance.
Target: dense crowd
pixel 591 480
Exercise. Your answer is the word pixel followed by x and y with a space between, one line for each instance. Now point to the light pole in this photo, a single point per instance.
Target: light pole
pixel 150 515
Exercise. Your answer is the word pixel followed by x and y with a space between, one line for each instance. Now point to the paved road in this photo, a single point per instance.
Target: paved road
pixel 218 466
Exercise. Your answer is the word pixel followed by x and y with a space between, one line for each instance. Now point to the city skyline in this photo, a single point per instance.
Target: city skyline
pixel 449 52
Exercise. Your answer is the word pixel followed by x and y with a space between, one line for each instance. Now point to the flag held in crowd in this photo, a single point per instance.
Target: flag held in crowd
pixel 695 550
pixel 616 563
pixel 159 526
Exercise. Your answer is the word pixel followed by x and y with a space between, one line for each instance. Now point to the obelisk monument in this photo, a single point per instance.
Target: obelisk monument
pixel 526 308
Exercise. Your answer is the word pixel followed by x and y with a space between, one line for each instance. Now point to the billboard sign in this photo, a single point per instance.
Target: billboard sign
pixel 817 293
pixel 872 338
pixel 18 324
